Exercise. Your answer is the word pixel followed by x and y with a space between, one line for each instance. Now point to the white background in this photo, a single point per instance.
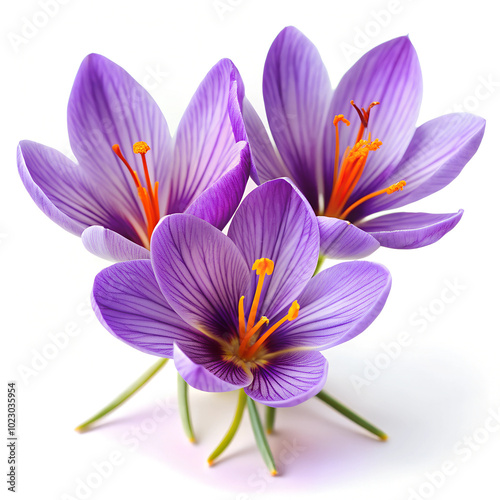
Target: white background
pixel 437 390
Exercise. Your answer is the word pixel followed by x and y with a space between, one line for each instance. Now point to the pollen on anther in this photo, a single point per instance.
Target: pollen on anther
pixel 263 266
pixel 341 118
pixel 396 187
pixel 141 148
pixel 293 312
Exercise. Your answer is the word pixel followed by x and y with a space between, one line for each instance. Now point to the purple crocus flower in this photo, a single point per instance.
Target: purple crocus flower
pixel 242 310
pixel 114 198
pixel 351 151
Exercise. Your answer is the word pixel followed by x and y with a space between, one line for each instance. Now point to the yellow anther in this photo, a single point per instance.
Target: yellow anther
pixel 293 312
pixel 396 187
pixel 341 118
pixel 141 148
pixel 263 266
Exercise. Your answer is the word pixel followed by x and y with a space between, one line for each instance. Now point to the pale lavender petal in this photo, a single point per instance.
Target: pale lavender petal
pixel 276 222
pixel 111 245
pixel 64 192
pixel 297 94
pixel 56 186
pixel 288 379
pixel 342 240
pixel 201 273
pixel 389 73
pixel 218 203
pixel 202 379
pixel 269 164
pixel 204 143
pixel 337 304
pixel 410 230
pixel 128 302
pixel 107 106
pixel 437 153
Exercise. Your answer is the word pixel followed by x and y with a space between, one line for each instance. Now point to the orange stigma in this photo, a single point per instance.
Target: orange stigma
pixel 347 173
pixel 247 332
pixel 149 194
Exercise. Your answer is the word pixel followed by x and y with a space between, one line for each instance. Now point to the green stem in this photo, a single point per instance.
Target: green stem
pixel 321 260
pixel 242 399
pixel 260 437
pixel 126 394
pixel 336 405
pixel 182 396
pixel 270 418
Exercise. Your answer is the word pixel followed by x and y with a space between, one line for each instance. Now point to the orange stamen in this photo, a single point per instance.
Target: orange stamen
pixel 149 196
pixel 391 189
pixel 364 116
pixel 241 318
pixel 336 120
pixel 250 334
pixel 118 152
pixel 292 314
pixel 261 267
pixel 352 168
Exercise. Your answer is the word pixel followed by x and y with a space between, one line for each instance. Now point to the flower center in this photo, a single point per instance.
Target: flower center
pixel 346 175
pixel 251 339
pixel 147 195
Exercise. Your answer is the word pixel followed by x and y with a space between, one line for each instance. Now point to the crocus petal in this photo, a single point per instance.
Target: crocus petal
pixel 337 304
pixel 111 245
pixel 297 94
pixel 437 153
pixel 204 143
pixel 58 187
pixel 276 222
pixel 410 230
pixel 107 106
pixel 201 273
pixel 197 376
pixel 217 204
pixel 342 240
pixel 269 164
pixel 128 302
pixel 288 379
pixel 389 73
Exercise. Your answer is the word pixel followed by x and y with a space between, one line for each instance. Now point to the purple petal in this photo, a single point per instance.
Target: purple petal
pixel 297 95
pixel 389 73
pixel 201 273
pixel 437 153
pixel 202 379
pixel 128 302
pixel 410 230
pixel 217 204
pixel 111 245
pixel 275 221
pixel 342 240
pixel 204 144
pixel 337 304
pixel 288 379
pixel 64 192
pixel 107 106
pixel 57 186
pixel 267 161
